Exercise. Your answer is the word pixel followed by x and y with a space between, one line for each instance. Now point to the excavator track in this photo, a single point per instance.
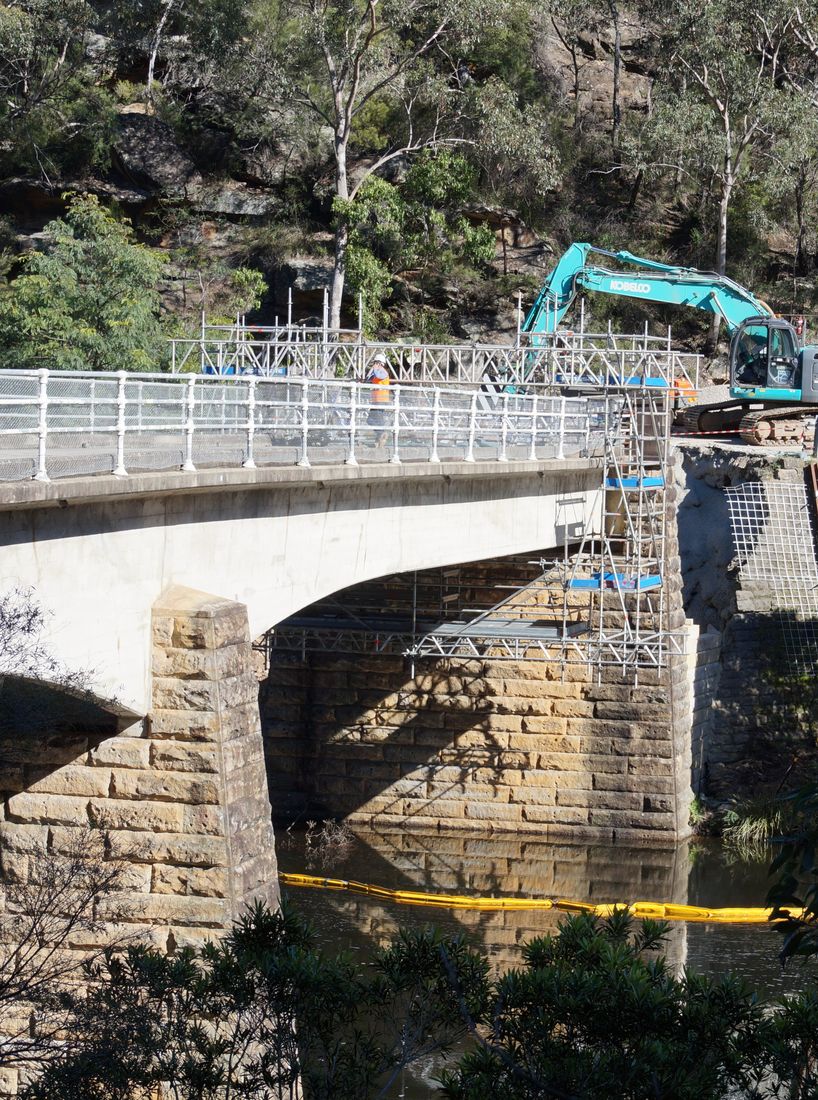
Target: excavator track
pixel 779 426
pixel 722 416
pixel 788 426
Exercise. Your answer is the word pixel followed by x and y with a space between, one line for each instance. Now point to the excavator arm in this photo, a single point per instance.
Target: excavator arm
pixel 651 281
pixel 773 381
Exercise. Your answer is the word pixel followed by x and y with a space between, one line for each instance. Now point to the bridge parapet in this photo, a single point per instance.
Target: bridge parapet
pixel 64 424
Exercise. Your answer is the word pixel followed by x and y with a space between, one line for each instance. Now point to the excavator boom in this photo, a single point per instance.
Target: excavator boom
pixel 773 381
pixel 652 281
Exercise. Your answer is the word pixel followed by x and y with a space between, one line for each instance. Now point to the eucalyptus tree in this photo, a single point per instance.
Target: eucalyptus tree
pixel 723 91
pixel 53 112
pixel 340 60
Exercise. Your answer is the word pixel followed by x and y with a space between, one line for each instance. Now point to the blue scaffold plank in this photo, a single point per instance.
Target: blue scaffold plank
pixel 635 482
pixel 614 580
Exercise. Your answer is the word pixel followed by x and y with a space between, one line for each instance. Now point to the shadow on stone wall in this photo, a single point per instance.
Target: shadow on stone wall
pixel 765 725
pixel 44 727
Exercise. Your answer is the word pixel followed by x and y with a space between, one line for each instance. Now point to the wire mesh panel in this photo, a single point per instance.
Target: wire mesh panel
pixel 773 535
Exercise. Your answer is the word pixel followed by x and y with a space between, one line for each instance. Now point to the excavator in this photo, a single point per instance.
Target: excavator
pixel 773 380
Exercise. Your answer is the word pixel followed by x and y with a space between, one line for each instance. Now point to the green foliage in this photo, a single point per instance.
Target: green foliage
pixel 89 302
pixel 53 115
pixel 593 1014
pixel 698 811
pixel 794 893
pixel 394 228
pixel 263 1013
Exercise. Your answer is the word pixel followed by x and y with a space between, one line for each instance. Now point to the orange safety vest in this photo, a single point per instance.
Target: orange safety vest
pixel 380 391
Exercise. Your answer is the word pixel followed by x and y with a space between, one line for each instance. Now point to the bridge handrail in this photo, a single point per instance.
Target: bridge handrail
pixel 56 423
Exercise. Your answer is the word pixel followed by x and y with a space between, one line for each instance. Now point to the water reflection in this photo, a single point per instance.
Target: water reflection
pixel 697 872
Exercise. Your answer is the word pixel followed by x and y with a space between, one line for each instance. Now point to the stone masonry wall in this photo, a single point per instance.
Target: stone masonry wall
pixel 509 747
pixel 704 669
pixel 180 799
pixel 527 746
pixel 181 796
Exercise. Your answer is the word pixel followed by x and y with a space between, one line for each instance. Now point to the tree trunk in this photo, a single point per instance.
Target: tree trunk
pixel 617 69
pixel 724 206
pixel 341 231
pixel 799 263
pixel 157 40
pixel 339 272
pixel 727 181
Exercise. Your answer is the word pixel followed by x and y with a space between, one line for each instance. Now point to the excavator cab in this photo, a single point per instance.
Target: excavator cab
pixel 764 356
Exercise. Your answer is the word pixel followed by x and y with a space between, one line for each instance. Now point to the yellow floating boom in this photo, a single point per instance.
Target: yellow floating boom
pixel 654 910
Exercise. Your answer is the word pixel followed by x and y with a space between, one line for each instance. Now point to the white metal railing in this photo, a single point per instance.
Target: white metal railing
pixel 62 424
pixel 565 359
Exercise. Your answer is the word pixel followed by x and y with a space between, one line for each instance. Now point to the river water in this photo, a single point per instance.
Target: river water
pixel 694 872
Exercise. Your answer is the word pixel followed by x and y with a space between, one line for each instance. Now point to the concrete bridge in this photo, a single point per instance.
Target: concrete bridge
pixel 165 524
pixel 327 489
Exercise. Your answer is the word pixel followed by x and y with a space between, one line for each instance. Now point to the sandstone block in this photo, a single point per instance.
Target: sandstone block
pixel 627 819
pixel 650 766
pixel 602 800
pixel 165 909
pixel 237 690
pixel 541 689
pixel 24 838
pixel 479 758
pixel 480 739
pixel 121 752
pixel 523 705
pixel 148 817
pixel 198 881
pixel 73 779
pixel 184 725
pixel 482 811
pixel 535 742
pixel 202 819
pixel 161 786
pixel 170 693
pixel 573 708
pixel 544 725
pixel 659 784
pixel 516 777
pixel 47 809
pixel 447 809
pixel 555 815
pixel 576 780
pixel 634 712
pixel 543 795
pixel 468 792
pixel 620 693
pixel 182 756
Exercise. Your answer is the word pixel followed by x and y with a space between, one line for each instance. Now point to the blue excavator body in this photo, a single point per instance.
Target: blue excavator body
pixel 767 363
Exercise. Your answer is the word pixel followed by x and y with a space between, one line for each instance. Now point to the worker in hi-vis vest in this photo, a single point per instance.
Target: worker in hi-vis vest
pixel 380 399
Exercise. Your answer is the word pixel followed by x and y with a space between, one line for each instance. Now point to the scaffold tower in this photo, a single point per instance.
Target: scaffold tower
pixel 600 599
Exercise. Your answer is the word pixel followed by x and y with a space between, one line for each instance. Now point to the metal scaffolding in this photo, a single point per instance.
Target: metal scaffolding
pixel 599 601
